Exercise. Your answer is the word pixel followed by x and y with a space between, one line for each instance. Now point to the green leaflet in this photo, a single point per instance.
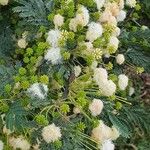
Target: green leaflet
pixel 16 117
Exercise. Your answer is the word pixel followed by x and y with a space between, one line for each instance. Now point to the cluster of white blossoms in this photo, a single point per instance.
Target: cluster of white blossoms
pixel 1 145
pixel 4 2
pixel 107 87
pixel 53 54
pixel 77 71
pixel 38 90
pixel 51 133
pixel 19 143
pixel 102 133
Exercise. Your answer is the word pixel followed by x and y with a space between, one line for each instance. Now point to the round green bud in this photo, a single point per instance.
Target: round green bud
pixel 26 59
pixel 41 120
pixel 66 55
pixel 29 51
pixel 58 144
pixel 44 79
pixel 17 78
pixel 64 108
pixel 118 105
pixel 25 84
pixel 81 126
pixel 22 71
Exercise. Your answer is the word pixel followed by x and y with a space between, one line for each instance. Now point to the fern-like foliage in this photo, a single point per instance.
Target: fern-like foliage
pixel 136 46
pixel 33 11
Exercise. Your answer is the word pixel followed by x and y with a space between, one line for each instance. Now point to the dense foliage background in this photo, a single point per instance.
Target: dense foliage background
pixel 34 16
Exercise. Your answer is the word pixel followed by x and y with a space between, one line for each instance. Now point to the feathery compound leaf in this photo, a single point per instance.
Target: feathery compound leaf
pixel 32 11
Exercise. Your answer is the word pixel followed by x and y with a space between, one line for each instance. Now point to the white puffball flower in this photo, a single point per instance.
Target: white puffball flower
pixel 53 55
pixel 131 91
pixel 108 88
pixel 96 107
pixel 19 143
pixel 115 133
pixel 107 145
pixel 58 20
pixel 99 3
pixel 121 16
pixel 76 110
pixel 77 70
pixel 101 132
pixel 144 27
pixel 73 25
pixel 1 145
pixel 123 81
pixel 53 37
pixel 95 31
pixel 38 90
pixel 114 42
pixel 131 3
pixel 82 16
pixel 22 43
pixel 100 75
pixel 4 2
pixel 105 16
pixel 120 59
pixel 51 133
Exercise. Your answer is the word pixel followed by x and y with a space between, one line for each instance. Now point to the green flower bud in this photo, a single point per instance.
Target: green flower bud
pixel 118 105
pixel 8 88
pixel 66 55
pixel 44 79
pixel 29 51
pixel 26 60
pixel 64 108
pixel 80 126
pixel 25 84
pixel 22 71
pixel 41 120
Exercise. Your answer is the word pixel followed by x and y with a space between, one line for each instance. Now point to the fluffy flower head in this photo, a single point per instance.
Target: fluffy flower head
pixel 51 133
pixel 22 43
pixel 19 143
pixel 123 81
pixel 101 132
pixel 58 20
pixel 120 59
pixel 131 3
pixel 53 55
pixel 53 37
pixel 107 145
pixel 38 90
pixel 96 107
pixel 121 16
pixel 95 31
